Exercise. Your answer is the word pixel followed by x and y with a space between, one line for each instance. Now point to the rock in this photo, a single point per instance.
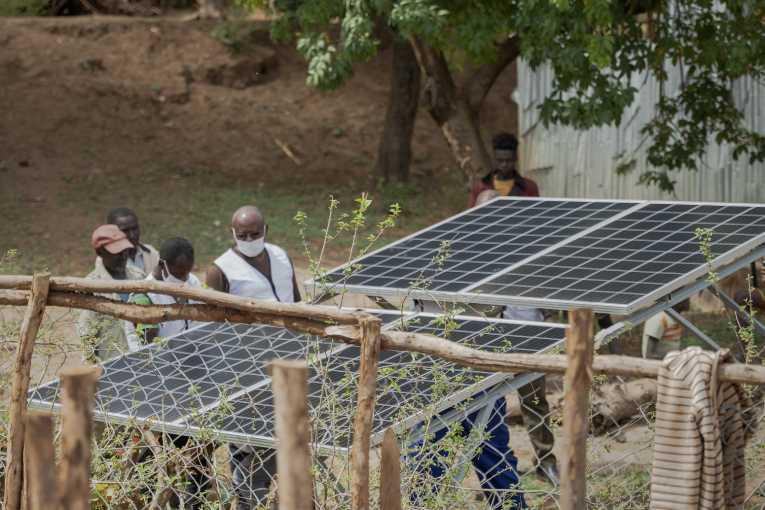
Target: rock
pixel 92 65
pixel 242 73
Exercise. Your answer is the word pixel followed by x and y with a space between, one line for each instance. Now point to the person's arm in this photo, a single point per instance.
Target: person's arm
pixel 89 332
pixel 295 289
pixel 143 334
pixel 530 188
pixel 475 190
pixel 215 279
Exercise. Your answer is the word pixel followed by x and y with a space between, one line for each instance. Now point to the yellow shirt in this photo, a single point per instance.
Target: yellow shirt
pixel 504 186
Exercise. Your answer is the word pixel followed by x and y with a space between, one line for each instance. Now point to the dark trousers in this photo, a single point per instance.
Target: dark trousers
pixel 252 471
pixel 494 463
pixel 536 417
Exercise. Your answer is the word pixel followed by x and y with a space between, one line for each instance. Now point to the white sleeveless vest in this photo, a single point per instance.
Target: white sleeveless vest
pixel 246 281
pixel 170 328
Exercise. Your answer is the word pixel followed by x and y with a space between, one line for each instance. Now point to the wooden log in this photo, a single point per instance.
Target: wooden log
pixel 573 462
pixel 293 434
pixel 390 472
pixel 40 461
pixel 33 317
pixel 625 366
pixel 78 391
pixel 152 314
pixel 362 422
pixel 327 314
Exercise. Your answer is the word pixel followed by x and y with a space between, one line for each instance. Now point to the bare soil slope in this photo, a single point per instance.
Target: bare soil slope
pixel 97 112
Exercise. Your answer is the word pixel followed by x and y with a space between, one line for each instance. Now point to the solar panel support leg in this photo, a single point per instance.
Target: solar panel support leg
pixel 473 442
pixel 692 328
pixel 341 497
pixel 731 304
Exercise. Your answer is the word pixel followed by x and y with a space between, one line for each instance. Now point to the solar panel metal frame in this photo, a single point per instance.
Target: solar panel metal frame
pixel 488 383
pixel 467 295
pixel 182 425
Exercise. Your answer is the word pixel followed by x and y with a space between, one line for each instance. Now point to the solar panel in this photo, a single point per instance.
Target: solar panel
pixel 214 378
pixel 635 259
pixel 476 244
pixel 625 255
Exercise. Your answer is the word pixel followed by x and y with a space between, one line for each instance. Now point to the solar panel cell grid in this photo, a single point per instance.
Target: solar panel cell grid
pixel 408 383
pixel 631 257
pixel 614 257
pixel 477 243
pixel 215 377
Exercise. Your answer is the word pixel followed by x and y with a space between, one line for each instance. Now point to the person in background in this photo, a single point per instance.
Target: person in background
pixel 662 334
pixel 504 179
pixel 176 260
pixel 255 269
pixel 103 336
pixel 533 396
pixel 143 257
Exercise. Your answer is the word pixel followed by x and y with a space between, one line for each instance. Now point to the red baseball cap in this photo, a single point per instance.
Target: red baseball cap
pixel 111 238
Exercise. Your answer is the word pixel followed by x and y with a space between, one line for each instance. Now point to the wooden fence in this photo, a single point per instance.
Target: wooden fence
pixel 351 327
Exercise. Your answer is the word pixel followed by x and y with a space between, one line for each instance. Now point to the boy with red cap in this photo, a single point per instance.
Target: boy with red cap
pixel 103 336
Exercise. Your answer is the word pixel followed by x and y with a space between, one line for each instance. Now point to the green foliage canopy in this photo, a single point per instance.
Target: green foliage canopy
pixel 594 47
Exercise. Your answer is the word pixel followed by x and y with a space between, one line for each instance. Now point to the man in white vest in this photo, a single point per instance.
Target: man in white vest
pixel 259 270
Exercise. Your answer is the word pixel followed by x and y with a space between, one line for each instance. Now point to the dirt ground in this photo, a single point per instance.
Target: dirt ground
pixel 157 114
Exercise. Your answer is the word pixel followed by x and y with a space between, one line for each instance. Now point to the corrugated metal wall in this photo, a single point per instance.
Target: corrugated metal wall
pixel 571 163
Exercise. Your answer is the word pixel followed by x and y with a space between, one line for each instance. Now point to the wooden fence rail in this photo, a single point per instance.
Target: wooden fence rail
pixel 330 323
pixel 354 327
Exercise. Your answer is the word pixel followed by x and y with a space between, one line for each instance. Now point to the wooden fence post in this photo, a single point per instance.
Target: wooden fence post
pixel 362 422
pixel 390 473
pixel 19 387
pixel 293 434
pixel 40 462
pixel 78 392
pixel 576 407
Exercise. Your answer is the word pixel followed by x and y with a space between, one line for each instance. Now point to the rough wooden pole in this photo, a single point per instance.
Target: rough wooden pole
pixel 579 349
pixel 626 366
pixel 40 462
pixel 362 423
pixel 293 434
pixel 78 392
pixel 19 387
pixel 390 473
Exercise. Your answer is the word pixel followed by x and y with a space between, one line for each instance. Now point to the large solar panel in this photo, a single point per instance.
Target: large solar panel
pixel 214 379
pixel 627 256
pixel 465 249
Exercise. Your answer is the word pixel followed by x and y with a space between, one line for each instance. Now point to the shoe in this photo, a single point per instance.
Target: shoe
pixel 548 471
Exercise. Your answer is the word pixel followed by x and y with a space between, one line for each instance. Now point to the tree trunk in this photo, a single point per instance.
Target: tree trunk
pixel 395 151
pixel 455 106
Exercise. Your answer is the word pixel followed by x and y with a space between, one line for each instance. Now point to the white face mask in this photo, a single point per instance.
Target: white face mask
pixel 168 276
pixel 250 248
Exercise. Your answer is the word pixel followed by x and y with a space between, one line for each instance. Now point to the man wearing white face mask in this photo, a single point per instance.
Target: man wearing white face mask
pixel 255 269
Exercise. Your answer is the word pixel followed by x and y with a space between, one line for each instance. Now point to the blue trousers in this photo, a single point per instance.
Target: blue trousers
pixel 495 463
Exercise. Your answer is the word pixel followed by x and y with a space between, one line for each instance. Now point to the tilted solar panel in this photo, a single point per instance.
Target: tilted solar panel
pixel 471 246
pixel 634 259
pixel 619 257
pixel 410 386
pixel 214 379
